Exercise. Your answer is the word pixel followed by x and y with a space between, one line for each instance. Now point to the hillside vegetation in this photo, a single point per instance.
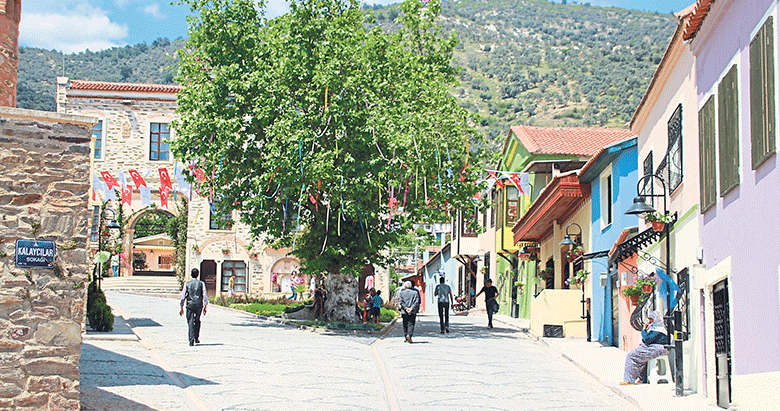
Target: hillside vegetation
pixel 527 62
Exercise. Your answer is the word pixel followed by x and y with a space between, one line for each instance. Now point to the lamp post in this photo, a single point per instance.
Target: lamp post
pixel 112 225
pixel 641 207
pixel 567 241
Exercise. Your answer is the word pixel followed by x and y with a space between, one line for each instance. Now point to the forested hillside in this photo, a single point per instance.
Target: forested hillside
pixel 524 62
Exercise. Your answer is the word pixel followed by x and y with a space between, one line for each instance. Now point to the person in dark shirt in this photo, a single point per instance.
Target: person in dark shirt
pixel 654 338
pixel 491 305
pixel 194 295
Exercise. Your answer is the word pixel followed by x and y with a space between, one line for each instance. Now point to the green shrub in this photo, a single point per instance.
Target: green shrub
pixel 387 314
pixel 94 295
pixel 101 318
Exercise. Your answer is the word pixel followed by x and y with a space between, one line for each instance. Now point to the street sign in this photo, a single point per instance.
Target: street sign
pixel 35 253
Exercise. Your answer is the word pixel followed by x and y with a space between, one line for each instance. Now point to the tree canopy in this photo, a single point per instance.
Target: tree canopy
pixel 331 136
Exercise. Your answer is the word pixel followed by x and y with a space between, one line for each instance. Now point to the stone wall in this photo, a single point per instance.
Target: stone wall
pixel 10 12
pixel 44 185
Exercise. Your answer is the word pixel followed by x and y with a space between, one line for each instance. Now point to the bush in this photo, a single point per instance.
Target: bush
pixel 387 314
pixel 101 318
pixel 94 295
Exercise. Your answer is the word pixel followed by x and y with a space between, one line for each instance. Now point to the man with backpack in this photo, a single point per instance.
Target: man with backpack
pixel 194 294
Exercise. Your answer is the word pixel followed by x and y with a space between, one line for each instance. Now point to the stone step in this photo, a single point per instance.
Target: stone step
pixel 145 284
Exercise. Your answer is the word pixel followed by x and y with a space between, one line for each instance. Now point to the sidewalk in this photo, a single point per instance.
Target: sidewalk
pixel 605 364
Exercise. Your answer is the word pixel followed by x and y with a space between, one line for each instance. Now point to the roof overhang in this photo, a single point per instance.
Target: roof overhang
pixel 545 166
pixel 559 200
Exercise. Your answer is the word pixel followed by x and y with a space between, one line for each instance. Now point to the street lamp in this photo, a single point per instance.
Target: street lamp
pixel 567 238
pixel 567 241
pixel 112 225
pixel 641 207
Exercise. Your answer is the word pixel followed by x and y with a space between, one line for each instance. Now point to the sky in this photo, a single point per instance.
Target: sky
pixel 73 26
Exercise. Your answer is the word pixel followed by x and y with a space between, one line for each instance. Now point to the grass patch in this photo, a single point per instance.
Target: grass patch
pixel 340 326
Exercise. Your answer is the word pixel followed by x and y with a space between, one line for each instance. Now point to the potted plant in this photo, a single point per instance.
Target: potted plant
pixel 195 248
pixel 575 253
pixel 658 220
pixel 484 269
pixel 632 292
pixel 646 282
pixel 225 251
pixel 578 279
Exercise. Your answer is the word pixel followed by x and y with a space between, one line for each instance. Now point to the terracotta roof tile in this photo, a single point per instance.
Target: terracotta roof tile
pixel 693 24
pixel 579 141
pixel 131 87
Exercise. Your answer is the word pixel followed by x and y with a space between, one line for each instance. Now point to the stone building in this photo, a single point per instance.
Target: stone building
pixel 133 126
pixel 10 13
pixel 44 169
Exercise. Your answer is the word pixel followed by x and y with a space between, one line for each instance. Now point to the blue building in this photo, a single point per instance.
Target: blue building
pixel 612 175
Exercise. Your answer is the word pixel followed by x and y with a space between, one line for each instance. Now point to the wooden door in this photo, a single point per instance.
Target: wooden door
pixel 208 274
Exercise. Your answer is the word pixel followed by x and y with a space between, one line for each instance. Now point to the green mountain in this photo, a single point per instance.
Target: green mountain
pixel 530 62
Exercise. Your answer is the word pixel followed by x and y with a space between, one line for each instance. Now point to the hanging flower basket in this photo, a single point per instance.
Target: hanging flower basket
pixel 647 288
pixel 634 299
pixel 225 251
pixel 658 225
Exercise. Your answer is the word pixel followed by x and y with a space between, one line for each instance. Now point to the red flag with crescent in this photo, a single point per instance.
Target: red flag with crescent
pixel 164 191
pixel 127 194
pixel 165 178
pixel 109 179
pixel 498 182
pixel 515 179
pixel 137 179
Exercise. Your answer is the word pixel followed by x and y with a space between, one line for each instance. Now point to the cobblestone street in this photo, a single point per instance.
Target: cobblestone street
pixel 248 363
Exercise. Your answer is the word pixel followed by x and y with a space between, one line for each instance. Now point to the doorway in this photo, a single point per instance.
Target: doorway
pixel 615 341
pixel 720 297
pixel 208 274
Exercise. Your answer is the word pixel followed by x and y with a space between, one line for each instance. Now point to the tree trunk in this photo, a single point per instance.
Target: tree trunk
pixel 342 298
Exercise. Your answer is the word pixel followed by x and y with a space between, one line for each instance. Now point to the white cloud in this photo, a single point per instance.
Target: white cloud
pixel 71 30
pixel 153 10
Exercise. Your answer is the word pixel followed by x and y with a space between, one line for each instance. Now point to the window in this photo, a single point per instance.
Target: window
pixel 728 132
pixel 217 220
pixel 159 141
pixel 97 135
pixel 647 169
pixel 468 222
pixel 674 153
pixel 606 201
pixel 239 269
pixel 492 208
pixel 511 205
pixel 93 234
pixel 707 180
pixel 762 95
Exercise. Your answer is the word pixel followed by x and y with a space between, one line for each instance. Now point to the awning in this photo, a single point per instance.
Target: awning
pixel 559 200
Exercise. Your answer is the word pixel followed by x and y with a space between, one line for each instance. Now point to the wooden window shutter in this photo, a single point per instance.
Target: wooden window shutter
pixel 707 181
pixel 728 131
pixel 762 94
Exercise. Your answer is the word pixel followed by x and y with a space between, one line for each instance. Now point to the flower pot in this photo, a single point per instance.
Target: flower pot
pixel 647 288
pixel 634 299
pixel 658 225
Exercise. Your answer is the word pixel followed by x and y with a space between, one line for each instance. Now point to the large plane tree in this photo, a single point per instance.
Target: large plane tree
pixel 330 135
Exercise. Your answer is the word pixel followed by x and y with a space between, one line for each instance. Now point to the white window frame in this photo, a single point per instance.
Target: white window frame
pixel 606 198
pixel 102 156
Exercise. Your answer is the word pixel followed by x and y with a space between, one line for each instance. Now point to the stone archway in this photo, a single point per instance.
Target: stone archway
pixel 283 268
pixel 131 235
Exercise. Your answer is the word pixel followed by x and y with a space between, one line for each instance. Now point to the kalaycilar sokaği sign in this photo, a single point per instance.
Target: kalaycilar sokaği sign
pixel 35 253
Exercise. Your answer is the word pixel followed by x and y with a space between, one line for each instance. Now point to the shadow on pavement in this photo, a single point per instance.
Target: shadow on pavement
pixel 104 368
pixel 143 322
pixel 96 399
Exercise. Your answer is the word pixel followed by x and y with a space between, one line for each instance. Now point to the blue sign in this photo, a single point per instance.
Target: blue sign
pixel 35 253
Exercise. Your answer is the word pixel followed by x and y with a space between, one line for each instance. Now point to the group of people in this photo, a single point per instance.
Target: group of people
pixel 373 309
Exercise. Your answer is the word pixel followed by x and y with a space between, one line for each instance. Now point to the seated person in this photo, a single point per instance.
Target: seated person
pixel 654 337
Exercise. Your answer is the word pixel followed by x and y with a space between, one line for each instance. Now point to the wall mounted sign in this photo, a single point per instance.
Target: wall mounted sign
pixel 35 253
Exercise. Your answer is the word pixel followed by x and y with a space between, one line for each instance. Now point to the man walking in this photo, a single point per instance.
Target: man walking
pixel 442 291
pixel 194 294
pixel 491 305
pixel 409 303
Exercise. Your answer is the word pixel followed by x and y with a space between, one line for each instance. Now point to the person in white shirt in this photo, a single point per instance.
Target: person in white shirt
pixel 442 292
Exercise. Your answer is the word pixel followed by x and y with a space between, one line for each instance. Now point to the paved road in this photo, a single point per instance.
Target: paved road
pixel 246 363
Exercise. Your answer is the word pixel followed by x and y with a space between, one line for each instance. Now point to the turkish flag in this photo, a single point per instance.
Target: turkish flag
pixel 127 194
pixel 109 179
pixel 137 179
pixel 164 191
pixel 165 179
pixel 515 179
pixel 493 174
